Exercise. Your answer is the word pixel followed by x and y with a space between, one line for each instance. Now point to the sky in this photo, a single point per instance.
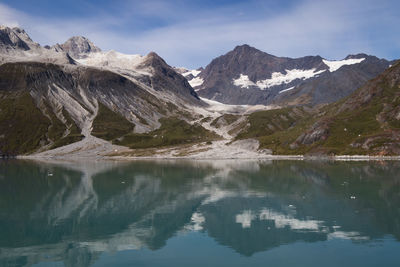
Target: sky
pixel 191 33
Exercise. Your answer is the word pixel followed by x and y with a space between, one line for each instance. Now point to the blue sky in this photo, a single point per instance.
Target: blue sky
pixel 192 33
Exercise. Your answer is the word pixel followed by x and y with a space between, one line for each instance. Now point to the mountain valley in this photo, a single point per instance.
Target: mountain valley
pixel 75 100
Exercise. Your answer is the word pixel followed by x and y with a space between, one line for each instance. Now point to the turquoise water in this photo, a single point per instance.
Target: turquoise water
pixel 204 213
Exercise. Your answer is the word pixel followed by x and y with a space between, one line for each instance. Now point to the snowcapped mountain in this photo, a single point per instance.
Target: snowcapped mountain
pixel 247 75
pixel 85 93
pixel 191 76
pixel 75 99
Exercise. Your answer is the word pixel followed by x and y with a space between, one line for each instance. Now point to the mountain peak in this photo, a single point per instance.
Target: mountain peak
pixel 245 48
pixel 79 40
pixel 358 56
pixel 154 59
pixel 153 54
pixel 78 46
pixel 15 38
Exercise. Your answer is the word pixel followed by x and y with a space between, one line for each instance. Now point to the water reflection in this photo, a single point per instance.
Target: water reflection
pixel 72 212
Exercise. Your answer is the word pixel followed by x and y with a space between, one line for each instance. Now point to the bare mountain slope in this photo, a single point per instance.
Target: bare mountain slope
pixel 247 75
pixel 74 98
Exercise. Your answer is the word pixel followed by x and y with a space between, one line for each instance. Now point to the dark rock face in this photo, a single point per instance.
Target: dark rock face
pixel 77 46
pixel 330 87
pixel 164 76
pixel 321 85
pixel 41 79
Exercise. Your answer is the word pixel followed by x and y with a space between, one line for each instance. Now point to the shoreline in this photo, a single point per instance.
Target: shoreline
pixel 266 157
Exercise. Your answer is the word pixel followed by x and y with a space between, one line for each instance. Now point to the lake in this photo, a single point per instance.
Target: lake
pixel 200 213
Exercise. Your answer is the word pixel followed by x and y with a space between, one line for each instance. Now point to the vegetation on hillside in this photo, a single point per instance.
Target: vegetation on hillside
pixel 23 127
pixel 73 136
pixel 224 120
pixel 173 131
pixel 110 125
pixel 264 123
pixel 367 122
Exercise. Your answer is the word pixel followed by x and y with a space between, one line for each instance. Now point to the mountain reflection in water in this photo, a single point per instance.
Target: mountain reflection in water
pixel 74 212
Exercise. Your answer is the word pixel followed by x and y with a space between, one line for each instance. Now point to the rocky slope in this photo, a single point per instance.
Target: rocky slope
pixel 365 123
pixel 15 39
pixel 247 75
pixel 63 101
pixel 17 46
pixel 75 100
pixel 77 47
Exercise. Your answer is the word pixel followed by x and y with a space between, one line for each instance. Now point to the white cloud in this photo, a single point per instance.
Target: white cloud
pixel 8 16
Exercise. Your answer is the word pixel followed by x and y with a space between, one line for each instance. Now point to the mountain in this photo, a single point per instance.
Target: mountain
pixel 49 98
pixel 150 70
pixel 15 39
pixel 77 47
pixel 191 75
pixel 17 46
pixel 368 121
pixel 247 75
pixel 74 99
pixel 365 123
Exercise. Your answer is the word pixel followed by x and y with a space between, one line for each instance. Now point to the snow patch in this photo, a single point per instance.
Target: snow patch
pixel 335 65
pixel 193 72
pixel 243 81
pixel 196 82
pixel 278 78
pixel 291 88
pixel 112 59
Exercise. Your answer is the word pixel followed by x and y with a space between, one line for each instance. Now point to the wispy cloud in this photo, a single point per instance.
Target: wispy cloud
pixel 8 16
pixel 191 35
